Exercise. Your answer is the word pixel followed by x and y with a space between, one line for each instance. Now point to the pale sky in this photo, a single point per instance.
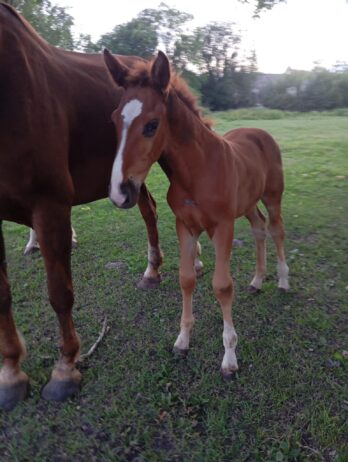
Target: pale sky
pixel 294 34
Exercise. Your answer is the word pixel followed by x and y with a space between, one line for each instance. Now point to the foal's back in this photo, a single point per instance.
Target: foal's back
pixel 258 160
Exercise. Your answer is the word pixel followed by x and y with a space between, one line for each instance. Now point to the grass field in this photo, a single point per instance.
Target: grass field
pixel 289 402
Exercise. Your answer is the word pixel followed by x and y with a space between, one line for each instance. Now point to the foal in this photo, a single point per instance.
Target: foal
pixel 213 181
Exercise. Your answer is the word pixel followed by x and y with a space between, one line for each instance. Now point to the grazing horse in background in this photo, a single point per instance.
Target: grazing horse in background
pixel 57 147
pixel 213 181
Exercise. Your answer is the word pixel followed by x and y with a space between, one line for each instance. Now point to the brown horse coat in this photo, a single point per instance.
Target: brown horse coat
pixel 57 147
pixel 213 181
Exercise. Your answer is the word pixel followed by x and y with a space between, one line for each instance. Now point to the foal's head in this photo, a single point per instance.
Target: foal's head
pixel 141 124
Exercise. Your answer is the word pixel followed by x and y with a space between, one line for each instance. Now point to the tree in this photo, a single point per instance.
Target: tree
pixel 137 37
pixel 150 29
pixel 216 47
pixel 225 84
pixel 52 22
pixel 262 5
pixel 169 24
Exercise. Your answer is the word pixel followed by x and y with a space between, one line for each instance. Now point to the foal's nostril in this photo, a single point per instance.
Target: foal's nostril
pixel 130 192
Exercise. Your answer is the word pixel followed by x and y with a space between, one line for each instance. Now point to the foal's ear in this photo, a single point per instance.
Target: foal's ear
pixel 117 70
pixel 160 71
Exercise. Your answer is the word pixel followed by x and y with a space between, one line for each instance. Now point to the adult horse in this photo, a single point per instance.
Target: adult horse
pixel 57 147
pixel 213 181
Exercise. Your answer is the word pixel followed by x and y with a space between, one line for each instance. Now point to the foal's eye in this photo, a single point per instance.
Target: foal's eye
pixel 150 128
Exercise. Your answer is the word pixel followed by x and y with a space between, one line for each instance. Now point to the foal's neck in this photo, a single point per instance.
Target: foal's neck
pixel 190 143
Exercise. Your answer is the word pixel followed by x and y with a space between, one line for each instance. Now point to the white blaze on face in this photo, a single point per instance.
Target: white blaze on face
pixel 130 111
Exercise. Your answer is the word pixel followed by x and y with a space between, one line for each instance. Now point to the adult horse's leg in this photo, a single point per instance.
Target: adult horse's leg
pixel 223 289
pixel 13 381
pixel 187 274
pixel 258 227
pixel 276 229
pixel 52 224
pixel 147 206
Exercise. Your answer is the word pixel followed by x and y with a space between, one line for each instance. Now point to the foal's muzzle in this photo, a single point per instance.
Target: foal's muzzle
pixel 130 192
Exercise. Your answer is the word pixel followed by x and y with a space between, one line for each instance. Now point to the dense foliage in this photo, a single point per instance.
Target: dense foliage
pixel 52 22
pixel 307 91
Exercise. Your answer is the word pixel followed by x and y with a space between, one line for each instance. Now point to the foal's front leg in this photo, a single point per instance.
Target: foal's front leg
pixel 187 274
pixel 223 289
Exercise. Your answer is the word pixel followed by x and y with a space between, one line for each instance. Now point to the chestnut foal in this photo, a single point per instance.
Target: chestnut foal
pixel 213 181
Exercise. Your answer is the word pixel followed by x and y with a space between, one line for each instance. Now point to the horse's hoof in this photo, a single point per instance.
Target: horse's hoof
pixel 282 290
pixel 199 271
pixel 228 375
pixel 10 395
pixel 60 390
pixel 149 283
pixel 253 290
pixel 182 353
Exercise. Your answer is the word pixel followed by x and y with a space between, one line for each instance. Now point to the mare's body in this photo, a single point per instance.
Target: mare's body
pixel 57 147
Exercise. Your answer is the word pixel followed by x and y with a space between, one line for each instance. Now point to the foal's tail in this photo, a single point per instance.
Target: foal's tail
pixel 272 160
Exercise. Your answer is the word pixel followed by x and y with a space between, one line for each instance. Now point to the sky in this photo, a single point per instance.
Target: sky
pixel 298 34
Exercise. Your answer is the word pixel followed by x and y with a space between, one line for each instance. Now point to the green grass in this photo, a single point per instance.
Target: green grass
pixel 289 402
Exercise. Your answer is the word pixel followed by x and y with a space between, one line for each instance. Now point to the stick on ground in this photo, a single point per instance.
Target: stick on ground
pixel 105 328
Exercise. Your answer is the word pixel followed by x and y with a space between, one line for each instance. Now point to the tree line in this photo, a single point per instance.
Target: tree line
pixel 208 57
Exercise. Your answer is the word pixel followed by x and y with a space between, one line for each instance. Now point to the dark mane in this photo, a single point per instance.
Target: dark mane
pixel 141 75
pixel 16 16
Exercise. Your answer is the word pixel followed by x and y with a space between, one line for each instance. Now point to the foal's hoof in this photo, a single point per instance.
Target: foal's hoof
pixel 199 271
pixel 60 390
pixel 282 290
pixel 10 395
pixel 228 375
pixel 180 352
pixel 253 290
pixel 149 283
pixel 31 250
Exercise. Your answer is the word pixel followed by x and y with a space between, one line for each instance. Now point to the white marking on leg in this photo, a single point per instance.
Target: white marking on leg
pixel 198 265
pixel 32 243
pixel 183 340
pixel 130 111
pixel 230 338
pixel 257 282
pixel 73 237
pixel 283 275
pixel 152 254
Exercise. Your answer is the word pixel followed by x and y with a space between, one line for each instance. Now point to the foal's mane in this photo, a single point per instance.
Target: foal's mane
pixel 31 31
pixel 140 75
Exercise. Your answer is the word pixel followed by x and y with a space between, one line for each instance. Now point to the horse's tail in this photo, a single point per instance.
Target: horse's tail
pixel 2 247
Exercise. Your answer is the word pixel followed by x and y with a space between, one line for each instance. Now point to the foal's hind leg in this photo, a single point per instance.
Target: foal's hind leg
pixel 52 224
pixel 276 229
pixel 32 244
pixel 147 206
pixel 13 381
pixel 258 226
